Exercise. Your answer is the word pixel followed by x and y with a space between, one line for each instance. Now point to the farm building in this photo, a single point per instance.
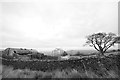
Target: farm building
pixel 20 51
pixel 59 52
pixel 33 51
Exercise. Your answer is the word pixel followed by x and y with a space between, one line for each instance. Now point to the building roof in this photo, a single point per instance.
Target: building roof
pixel 58 52
pixel 21 51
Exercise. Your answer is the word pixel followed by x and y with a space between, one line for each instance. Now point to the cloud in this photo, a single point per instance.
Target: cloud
pixel 47 24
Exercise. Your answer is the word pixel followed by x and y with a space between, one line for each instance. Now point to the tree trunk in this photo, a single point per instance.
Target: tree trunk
pixel 101 53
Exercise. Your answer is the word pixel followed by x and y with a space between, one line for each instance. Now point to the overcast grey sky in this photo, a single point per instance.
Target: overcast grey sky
pixel 49 24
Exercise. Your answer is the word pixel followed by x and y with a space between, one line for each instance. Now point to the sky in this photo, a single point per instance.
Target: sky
pixel 50 24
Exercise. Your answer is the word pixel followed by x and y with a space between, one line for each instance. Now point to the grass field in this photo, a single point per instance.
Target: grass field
pixel 89 67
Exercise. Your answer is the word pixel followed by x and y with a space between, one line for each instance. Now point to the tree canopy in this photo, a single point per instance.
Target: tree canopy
pixel 101 41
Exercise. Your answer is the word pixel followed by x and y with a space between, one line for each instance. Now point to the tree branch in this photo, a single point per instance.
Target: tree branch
pixel 94 45
pixel 108 46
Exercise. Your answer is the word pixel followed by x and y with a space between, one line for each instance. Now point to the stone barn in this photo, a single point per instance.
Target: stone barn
pixel 59 52
pixel 19 51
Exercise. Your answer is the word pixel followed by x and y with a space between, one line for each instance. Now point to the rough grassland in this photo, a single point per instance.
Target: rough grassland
pixel 107 67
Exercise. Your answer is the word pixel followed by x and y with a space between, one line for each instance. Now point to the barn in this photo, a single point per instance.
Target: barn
pixel 19 51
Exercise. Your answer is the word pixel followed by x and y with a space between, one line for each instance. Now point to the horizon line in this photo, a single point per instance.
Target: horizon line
pixel 51 49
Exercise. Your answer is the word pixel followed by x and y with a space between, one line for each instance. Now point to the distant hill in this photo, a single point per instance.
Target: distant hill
pixel 70 52
pixel 85 52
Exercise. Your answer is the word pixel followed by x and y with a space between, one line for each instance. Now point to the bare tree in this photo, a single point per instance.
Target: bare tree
pixel 101 41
